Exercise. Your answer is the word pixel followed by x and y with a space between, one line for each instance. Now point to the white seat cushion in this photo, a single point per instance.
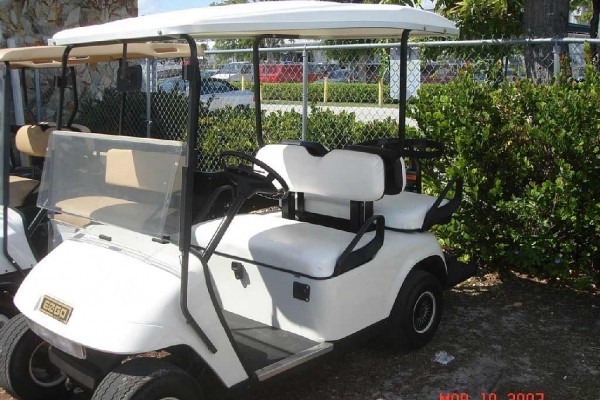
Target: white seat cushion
pixel 300 247
pixel 405 211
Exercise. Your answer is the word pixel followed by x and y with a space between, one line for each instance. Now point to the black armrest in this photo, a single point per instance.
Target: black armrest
pixel 441 215
pixel 351 258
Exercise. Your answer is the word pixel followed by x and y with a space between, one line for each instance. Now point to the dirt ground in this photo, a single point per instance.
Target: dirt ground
pixel 512 336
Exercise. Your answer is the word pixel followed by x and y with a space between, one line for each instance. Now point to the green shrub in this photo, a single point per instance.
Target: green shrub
pixel 336 93
pixel 529 156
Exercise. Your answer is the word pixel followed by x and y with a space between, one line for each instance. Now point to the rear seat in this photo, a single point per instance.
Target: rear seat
pixel 403 211
pixel 300 247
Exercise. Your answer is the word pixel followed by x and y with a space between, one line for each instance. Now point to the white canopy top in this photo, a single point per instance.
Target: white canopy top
pixel 314 19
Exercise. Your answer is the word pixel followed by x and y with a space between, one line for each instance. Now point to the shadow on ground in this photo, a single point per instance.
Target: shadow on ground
pixel 505 337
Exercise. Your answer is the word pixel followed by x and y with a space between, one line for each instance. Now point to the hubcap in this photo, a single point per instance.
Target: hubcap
pixel 41 370
pixel 424 312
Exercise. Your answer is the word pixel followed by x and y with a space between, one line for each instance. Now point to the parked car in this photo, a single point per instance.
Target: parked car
pixel 235 71
pixel 216 93
pixel 342 75
pixel 208 73
pixel 278 73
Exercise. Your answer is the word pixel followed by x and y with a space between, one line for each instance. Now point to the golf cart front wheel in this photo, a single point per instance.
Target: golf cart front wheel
pixel 417 312
pixel 147 379
pixel 25 368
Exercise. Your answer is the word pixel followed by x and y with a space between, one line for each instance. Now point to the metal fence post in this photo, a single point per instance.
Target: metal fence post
pixel 304 92
pixel 556 61
pixel 148 99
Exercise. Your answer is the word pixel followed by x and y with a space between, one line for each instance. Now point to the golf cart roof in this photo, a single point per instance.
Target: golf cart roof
pixel 50 56
pixel 311 19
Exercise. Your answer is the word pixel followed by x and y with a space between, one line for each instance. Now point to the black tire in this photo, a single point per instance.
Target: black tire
pixel 25 370
pixel 417 311
pixel 147 379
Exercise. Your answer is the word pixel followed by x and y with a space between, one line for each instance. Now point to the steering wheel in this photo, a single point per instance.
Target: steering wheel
pixel 250 181
pixel 423 149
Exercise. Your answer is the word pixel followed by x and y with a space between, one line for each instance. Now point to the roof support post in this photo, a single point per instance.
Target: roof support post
pixel 256 76
pixel 403 88
pixel 61 92
pixel 75 96
pixel 185 224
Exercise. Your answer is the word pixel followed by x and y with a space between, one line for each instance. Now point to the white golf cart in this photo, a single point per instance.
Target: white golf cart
pixel 25 233
pixel 148 297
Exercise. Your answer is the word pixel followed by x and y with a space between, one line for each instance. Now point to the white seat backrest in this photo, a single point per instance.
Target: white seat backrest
pixel 342 174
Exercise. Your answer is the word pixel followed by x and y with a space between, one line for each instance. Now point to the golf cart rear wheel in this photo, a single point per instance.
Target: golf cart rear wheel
pixel 25 369
pixel 147 379
pixel 416 314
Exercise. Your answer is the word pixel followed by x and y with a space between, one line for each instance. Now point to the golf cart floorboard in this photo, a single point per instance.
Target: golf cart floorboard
pixel 262 345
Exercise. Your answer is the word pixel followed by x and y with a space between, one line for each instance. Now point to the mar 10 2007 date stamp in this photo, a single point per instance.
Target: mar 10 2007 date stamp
pixel 492 396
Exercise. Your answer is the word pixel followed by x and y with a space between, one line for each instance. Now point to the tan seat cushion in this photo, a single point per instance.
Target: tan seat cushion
pixel 33 139
pixel 120 212
pixel 19 189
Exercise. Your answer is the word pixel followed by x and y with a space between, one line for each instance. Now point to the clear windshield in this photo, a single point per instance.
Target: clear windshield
pixel 128 182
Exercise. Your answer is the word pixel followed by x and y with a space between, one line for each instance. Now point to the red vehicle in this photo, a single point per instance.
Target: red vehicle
pixel 278 73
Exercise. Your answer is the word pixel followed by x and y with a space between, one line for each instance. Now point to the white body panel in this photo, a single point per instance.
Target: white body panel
pixel 18 246
pixel 338 306
pixel 125 298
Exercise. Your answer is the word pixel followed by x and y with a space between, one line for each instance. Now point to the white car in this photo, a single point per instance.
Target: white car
pixel 235 71
pixel 217 93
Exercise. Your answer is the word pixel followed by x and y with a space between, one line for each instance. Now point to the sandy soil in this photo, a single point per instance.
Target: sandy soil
pixel 511 336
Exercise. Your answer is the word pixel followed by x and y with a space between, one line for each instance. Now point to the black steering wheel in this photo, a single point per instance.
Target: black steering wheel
pixel 423 149
pixel 250 181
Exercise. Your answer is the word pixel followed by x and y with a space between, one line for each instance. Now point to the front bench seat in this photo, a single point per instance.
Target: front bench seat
pixel 269 240
pixel 300 247
pixel 126 168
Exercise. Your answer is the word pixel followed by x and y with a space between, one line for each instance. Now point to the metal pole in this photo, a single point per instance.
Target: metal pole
pixel 38 96
pixel 17 93
pixel 304 93
pixel 148 100
pixel 63 84
pixel 256 74
pixel 403 89
pixel 556 61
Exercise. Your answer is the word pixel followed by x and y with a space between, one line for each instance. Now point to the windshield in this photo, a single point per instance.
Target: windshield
pixel 128 182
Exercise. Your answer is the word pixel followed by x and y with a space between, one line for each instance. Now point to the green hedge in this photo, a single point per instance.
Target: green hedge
pixel 530 159
pixel 336 92
pixel 234 130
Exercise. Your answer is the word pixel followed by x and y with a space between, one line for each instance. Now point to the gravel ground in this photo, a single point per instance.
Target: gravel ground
pixel 516 336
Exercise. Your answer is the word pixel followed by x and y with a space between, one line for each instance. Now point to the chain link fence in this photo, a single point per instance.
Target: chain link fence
pixel 348 92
